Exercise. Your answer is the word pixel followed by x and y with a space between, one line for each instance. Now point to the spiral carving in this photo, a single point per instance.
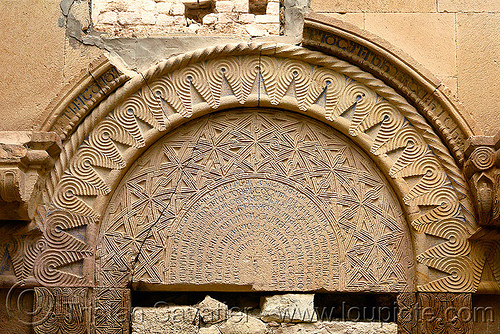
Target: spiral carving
pixel 395 129
pixel 432 176
pixel 224 74
pixel 47 272
pixel 66 195
pixel 328 83
pixel 460 278
pixel 483 157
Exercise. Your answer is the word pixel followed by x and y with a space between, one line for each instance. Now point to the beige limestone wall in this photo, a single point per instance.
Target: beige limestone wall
pixel 37 59
pixel 457 40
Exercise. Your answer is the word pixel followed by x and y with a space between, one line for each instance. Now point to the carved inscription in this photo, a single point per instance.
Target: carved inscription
pixel 88 97
pixel 445 313
pixel 271 200
pixel 256 232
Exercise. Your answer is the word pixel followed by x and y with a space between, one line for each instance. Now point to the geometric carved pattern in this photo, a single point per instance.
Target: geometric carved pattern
pixel 263 198
pixel 396 137
pixel 111 310
pixel 445 313
pixel 63 249
pixel 61 310
pixel 407 321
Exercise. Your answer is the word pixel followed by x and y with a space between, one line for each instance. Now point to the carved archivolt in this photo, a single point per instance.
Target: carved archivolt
pixel 406 149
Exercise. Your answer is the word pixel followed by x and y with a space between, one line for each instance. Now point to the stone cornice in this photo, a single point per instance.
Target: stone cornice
pixel 24 159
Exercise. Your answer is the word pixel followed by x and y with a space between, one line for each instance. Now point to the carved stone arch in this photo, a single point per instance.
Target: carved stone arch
pixel 406 149
pixel 422 89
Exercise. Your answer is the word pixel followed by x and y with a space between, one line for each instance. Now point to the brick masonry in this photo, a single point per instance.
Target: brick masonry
pixel 148 17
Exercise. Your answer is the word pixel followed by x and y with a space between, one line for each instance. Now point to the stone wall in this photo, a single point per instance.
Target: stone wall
pixel 457 40
pixel 241 17
pixel 278 314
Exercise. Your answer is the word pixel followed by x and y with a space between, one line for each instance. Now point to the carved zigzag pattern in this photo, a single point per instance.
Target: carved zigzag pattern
pixel 269 81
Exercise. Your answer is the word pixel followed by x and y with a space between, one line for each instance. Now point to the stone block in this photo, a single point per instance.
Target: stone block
pixel 241 6
pixel 255 31
pixel 471 6
pixel 450 83
pixel 165 20
pixel 273 8
pixel 163 7
pixel 177 9
pixel 356 19
pixel 241 323
pixel 180 20
pixel 209 330
pixel 288 308
pixel 478 57
pixel 212 310
pixel 225 18
pixel 210 19
pixel 428 38
pixel 148 5
pixel 129 18
pixel 246 18
pixel 271 28
pixel 169 319
pixel 267 18
pixel 224 6
pixel 107 18
pixel 33 50
pixel 377 6
pixel 148 18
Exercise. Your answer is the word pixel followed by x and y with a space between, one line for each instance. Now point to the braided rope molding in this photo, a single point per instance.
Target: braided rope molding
pixel 270 49
pixel 303 55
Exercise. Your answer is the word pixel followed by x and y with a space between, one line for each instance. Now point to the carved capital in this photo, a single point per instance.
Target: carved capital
pixel 24 159
pixel 483 172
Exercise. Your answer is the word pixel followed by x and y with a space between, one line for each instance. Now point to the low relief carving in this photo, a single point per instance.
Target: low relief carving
pixel 481 169
pixel 407 321
pixel 384 64
pixel 19 248
pixel 393 133
pixel 445 313
pixel 263 199
pixel 483 159
pixel 111 308
pixel 61 310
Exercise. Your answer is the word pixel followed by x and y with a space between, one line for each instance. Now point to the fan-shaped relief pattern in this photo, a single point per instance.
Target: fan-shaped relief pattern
pixel 265 199
pixel 397 138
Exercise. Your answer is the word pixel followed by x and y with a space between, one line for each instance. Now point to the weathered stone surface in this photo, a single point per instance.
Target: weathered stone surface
pixel 471 6
pixel 478 56
pixel 340 327
pixel 32 54
pixel 288 308
pixel 168 319
pixel 241 323
pixel 356 19
pixel 432 41
pixel 146 17
pixel 212 310
pixel 395 6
